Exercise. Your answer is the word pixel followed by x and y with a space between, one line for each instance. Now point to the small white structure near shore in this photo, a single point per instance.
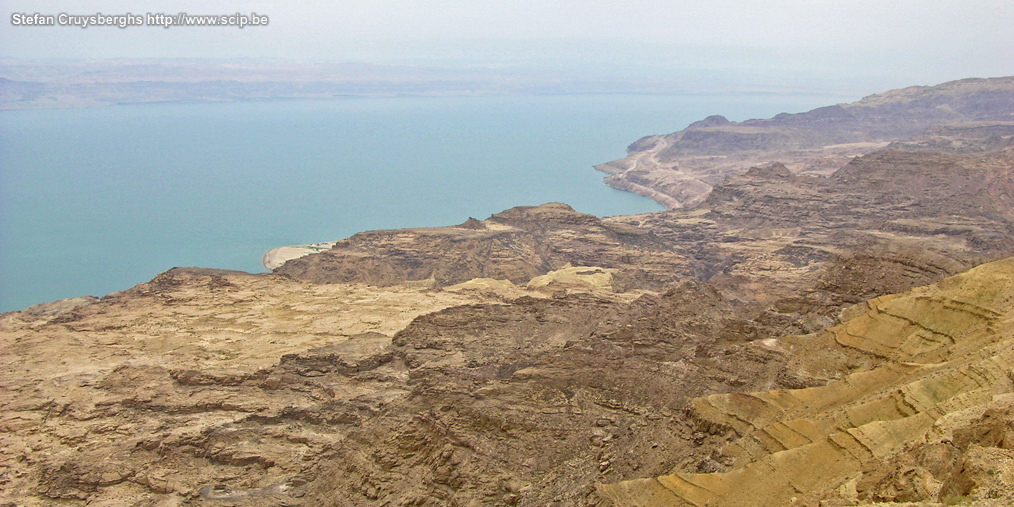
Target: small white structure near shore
pixel 278 256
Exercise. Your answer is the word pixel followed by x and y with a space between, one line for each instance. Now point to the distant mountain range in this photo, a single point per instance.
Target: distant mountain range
pixel 31 84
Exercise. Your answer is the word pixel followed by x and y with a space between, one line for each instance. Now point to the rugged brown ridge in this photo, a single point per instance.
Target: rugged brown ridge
pixel 517 245
pixel 597 394
pixel 680 169
pixel 922 410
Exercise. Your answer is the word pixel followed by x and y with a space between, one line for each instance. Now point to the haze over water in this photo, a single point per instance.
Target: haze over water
pixel 97 200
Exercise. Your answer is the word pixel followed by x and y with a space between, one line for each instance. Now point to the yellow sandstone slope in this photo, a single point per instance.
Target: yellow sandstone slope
pixel 919 388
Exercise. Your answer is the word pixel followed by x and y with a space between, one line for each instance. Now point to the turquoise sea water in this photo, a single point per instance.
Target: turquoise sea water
pixel 96 200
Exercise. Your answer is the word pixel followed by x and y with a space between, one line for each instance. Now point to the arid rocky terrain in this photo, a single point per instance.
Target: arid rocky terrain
pixel 830 337
pixel 679 169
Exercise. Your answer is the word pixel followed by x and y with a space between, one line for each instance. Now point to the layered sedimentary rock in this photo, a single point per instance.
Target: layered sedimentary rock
pixel 926 390
pixel 516 245
pixel 162 392
pixel 532 400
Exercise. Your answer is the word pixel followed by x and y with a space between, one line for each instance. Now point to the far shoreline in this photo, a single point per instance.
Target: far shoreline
pixel 6 106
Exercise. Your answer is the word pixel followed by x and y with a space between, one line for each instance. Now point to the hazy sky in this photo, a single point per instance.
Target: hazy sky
pixel 888 42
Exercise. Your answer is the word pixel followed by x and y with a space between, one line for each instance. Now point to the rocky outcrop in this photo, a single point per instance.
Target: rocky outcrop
pixel 883 223
pixel 926 383
pixel 533 401
pixel 516 245
pixel 680 169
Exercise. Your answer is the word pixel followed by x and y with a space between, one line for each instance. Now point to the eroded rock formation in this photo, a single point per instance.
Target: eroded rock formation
pixel 917 408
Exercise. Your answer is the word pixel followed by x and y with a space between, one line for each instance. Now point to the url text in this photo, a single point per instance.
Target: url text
pixel 148 19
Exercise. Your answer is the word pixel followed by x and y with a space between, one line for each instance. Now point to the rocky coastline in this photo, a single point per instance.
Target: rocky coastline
pixel 824 316
pixel 679 169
